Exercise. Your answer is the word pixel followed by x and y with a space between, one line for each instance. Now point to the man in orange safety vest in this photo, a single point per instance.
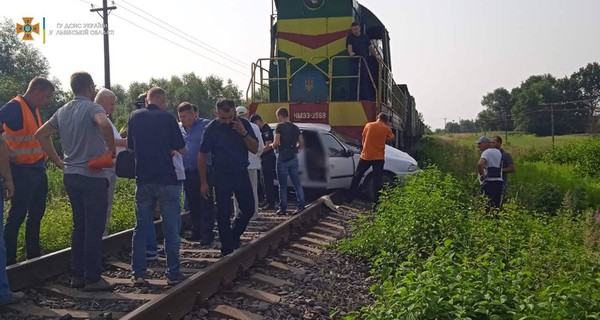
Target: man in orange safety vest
pixel 20 119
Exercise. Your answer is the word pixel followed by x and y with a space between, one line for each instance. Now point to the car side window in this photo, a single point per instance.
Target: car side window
pixel 333 147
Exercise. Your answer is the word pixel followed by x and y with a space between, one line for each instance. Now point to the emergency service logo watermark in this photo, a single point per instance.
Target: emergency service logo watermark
pixel 79 29
pixel 28 29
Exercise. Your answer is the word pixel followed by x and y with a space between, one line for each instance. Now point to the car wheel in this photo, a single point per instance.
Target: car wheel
pixel 367 186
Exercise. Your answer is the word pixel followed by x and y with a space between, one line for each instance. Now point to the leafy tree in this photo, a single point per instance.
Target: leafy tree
pixel 500 102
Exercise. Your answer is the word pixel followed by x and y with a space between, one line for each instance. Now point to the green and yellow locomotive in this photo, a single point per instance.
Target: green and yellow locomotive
pixel 310 72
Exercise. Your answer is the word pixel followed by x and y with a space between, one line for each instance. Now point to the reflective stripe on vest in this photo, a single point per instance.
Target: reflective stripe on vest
pixel 18 139
pixel 23 142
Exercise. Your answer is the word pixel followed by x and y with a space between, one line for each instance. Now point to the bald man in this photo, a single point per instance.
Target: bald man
pixel 108 100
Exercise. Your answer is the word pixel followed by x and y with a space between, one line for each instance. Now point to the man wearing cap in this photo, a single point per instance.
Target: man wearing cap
pixel 268 160
pixel 489 169
pixel 254 166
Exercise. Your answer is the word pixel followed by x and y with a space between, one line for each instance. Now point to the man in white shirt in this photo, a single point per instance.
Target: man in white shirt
pixel 254 165
pixel 108 100
pixel 489 169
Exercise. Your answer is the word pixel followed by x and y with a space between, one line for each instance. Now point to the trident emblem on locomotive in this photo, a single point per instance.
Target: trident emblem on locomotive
pixel 309 84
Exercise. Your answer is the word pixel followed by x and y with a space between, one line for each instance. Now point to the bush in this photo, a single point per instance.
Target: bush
pixel 560 167
pixel 584 156
pixel 465 264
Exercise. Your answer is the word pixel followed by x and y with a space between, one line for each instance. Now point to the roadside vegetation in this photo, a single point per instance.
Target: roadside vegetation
pixel 437 253
pixel 57 224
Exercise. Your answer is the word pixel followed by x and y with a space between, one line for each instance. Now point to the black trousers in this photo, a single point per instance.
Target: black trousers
pixel 202 211
pixel 88 202
pixel 226 185
pixel 269 174
pixel 363 166
pixel 493 190
pixel 29 201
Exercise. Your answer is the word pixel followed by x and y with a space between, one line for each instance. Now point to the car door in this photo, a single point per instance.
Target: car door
pixel 340 162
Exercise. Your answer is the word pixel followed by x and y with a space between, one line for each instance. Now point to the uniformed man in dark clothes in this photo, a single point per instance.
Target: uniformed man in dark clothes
pixel 508 164
pixel 358 44
pixel 228 139
pixel 268 160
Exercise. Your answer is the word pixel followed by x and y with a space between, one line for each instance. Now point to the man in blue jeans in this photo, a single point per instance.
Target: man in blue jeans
pixel 228 139
pixel 8 189
pixel 287 142
pixel 155 136
pixel 86 134
pixel 201 210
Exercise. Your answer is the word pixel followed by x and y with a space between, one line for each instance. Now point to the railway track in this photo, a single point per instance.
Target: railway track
pixel 45 280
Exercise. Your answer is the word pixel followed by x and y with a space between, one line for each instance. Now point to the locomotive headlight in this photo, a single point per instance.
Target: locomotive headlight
pixel 314 4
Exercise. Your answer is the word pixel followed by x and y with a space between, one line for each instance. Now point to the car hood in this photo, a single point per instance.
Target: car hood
pixel 391 152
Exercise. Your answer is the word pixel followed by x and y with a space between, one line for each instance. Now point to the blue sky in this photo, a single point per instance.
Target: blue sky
pixel 449 52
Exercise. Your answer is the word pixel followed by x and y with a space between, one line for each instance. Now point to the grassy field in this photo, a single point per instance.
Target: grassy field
pixel 546 177
pixel 517 143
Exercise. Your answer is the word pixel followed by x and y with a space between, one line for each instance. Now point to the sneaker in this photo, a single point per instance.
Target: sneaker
pixel 138 281
pixel 175 279
pixel 100 285
pixel 281 212
pixel 161 253
pixel 77 283
pixel 268 207
pixel 12 298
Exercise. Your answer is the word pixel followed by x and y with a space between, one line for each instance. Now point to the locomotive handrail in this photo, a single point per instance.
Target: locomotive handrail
pixel 259 65
pixel 360 62
pixel 390 85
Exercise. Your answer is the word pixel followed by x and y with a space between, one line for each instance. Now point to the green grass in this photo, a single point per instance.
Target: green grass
pixel 518 143
pixel 57 224
pixel 442 256
pixel 540 175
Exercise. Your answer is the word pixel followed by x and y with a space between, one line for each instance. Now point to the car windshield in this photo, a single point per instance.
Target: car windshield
pixel 346 140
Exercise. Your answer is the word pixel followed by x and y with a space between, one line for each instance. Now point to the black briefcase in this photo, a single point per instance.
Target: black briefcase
pixel 125 167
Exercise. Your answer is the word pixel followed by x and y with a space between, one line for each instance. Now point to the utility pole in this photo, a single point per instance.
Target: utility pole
pixel 105 12
pixel 444 124
pixel 552 120
pixel 505 127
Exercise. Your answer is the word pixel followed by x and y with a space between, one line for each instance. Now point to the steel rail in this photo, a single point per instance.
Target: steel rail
pixel 180 300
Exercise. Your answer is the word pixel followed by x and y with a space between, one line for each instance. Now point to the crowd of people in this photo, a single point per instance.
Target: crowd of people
pixel 223 167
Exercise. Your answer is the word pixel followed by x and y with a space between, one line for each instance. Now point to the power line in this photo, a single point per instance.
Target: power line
pixel 181 46
pixel 179 33
pixel 173 42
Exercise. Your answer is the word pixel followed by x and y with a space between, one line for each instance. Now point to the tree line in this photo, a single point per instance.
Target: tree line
pixel 20 62
pixel 573 102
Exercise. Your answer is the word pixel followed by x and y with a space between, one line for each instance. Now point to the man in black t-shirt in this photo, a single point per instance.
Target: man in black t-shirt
pixel 228 139
pixel 358 44
pixel 267 159
pixel 287 141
